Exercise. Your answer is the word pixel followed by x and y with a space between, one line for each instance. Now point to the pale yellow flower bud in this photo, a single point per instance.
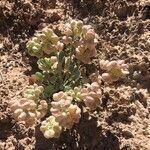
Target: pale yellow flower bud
pixel 50 128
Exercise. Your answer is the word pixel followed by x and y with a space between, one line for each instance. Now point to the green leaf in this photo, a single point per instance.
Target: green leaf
pixel 74 70
pixel 49 91
pixel 61 56
pixel 39 76
pixel 76 73
pixel 44 64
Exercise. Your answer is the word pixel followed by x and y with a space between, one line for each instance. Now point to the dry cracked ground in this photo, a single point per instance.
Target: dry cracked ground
pixel 123 26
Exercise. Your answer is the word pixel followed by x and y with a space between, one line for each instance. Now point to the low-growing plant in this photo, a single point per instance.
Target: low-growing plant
pixel 59 88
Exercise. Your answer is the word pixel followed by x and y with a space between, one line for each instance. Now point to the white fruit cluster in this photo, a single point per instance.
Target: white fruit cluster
pixel 91 95
pixel 46 41
pixel 114 70
pixel 33 92
pixel 29 108
pixel 65 113
pixel 95 77
pixel 83 38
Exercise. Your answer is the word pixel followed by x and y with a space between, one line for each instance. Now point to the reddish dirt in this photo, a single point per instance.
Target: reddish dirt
pixel 124 30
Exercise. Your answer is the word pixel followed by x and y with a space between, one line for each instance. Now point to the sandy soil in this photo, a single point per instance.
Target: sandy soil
pixel 124 30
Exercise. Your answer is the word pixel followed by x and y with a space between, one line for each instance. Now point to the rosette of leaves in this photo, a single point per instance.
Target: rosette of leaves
pixel 59 72
pixel 52 73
